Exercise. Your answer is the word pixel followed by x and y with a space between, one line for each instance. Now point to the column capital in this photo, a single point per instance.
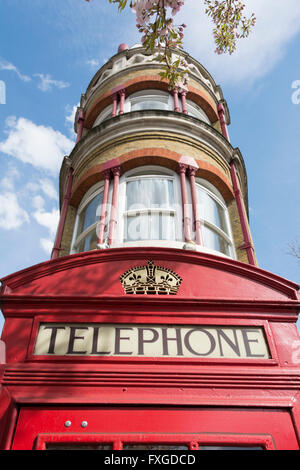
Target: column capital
pixel 106 174
pixel 122 92
pixel 192 170
pixel 183 167
pixel 116 170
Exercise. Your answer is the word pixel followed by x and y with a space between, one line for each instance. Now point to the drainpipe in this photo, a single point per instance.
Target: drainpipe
pixel 247 245
pixel 221 112
pixel 57 245
pixel 113 213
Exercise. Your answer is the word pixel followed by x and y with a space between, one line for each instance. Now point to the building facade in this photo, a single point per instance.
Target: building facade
pixel 152 326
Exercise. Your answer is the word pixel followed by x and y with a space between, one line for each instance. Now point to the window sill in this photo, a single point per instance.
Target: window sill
pixel 171 244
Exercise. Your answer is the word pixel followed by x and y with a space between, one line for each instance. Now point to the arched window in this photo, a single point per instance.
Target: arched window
pixel 149 99
pixel 104 115
pixel 216 232
pixel 194 110
pixel 149 208
pixel 85 230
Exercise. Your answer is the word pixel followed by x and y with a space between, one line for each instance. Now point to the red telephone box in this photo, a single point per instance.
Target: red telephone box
pixel 149 348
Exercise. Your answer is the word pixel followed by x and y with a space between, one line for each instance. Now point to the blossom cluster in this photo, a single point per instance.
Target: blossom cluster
pixel 140 6
pixel 230 23
pixel 160 32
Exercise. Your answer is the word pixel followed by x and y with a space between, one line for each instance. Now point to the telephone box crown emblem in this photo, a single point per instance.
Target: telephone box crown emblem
pixel 150 279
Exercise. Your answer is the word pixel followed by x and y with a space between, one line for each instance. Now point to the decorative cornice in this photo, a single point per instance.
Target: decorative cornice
pixel 138 59
pixel 141 122
pixel 83 376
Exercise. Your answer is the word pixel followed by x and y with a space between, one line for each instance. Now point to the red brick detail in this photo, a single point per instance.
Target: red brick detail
pixel 151 156
pixel 142 83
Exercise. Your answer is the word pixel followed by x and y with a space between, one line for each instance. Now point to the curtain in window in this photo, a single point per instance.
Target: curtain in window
pixel 150 209
pixel 145 103
pixel 149 99
pixel 197 112
pixel 211 210
pixel 215 229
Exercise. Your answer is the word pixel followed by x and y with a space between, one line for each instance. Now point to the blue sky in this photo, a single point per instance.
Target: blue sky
pixel 50 49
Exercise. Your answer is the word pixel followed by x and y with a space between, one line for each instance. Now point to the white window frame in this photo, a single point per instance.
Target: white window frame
pixel 200 113
pixel 95 190
pixel 216 195
pixel 149 94
pixel 106 114
pixel 150 172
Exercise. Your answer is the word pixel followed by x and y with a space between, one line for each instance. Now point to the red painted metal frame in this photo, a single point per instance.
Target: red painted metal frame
pixel 193 441
pixel 52 292
pixel 192 426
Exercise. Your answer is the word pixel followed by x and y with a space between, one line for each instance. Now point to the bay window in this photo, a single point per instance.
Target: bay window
pixel 150 213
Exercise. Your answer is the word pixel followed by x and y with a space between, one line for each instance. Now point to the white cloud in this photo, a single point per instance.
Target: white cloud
pixel 46 244
pixel 277 24
pixel 41 146
pixel 70 118
pixel 38 203
pixel 48 219
pixel 12 216
pixel 48 188
pixel 8 181
pixel 45 185
pixel 4 65
pixel 93 63
pixel 47 83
